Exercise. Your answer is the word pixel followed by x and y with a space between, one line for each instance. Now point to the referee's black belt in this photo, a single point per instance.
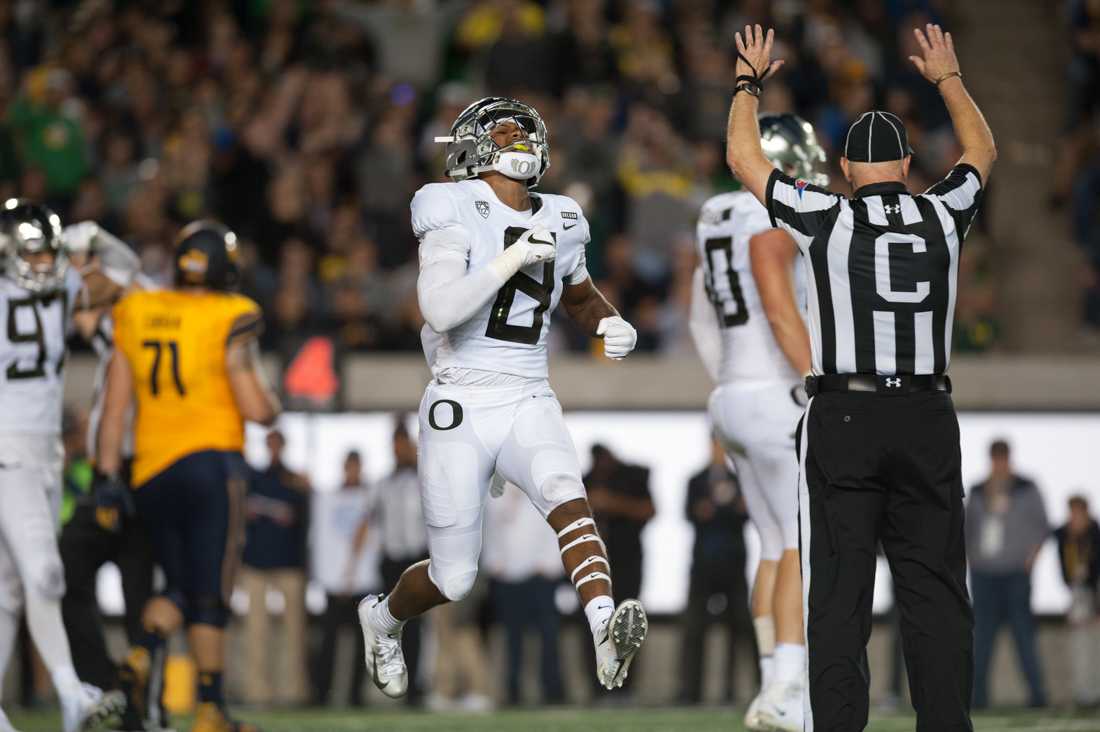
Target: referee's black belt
pixel 900 384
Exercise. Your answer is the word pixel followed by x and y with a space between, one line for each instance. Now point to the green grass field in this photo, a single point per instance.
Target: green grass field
pixel 580 720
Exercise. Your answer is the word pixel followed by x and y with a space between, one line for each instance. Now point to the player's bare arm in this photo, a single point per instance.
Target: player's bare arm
pixel 939 65
pixel 253 395
pixel 117 399
pixel 744 155
pixel 588 307
pixel 772 253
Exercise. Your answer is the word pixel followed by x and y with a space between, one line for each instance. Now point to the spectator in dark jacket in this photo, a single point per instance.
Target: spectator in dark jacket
pixel 275 558
pixel 717 590
pixel 622 506
pixel 1079 552
pixel 1006 525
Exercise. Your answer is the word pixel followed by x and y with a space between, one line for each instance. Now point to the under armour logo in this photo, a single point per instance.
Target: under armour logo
pixel 893 383
pixel 892 209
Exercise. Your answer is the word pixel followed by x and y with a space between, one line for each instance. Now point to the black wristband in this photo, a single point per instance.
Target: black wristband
pixel 749 87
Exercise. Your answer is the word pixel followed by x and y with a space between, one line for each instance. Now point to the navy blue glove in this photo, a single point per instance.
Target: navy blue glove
pixel 113 501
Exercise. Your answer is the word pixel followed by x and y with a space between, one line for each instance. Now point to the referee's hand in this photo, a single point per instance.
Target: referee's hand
pixel 756 49
pixel 937 60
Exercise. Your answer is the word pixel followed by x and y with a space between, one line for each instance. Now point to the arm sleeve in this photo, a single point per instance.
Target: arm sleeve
pixel 703 324
pixel 801 208
pixel 120 263
pixel 447 293
pixel 961 194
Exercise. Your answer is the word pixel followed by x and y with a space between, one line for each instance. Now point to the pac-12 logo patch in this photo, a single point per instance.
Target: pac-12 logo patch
pixel 482 208
pixel 800 186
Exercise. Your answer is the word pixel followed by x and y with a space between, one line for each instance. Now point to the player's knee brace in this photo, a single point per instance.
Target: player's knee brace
pixel 771 543
pixel 207 610
pixel 48 578
pixel 454 583
pixel 559 489
pixel 11 597
pixel 789 537
pixel 594 566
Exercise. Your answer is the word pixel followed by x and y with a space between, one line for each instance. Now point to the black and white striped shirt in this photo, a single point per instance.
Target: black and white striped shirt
pixel 882 269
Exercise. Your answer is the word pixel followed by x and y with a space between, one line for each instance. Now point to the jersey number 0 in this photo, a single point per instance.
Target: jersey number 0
pixel 718 298
pixel 540 292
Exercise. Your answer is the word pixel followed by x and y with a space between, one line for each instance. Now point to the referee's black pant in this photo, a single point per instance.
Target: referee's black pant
pixel 885 468
pixel 85 547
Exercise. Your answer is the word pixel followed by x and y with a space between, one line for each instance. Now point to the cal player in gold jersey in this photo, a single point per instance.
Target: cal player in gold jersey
pixel 187 358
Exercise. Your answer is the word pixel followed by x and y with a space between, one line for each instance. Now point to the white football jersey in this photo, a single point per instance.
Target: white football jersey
pixel 749 351
pixel 509 334
pixel 33 329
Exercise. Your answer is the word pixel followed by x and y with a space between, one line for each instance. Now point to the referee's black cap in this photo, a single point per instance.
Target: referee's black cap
pixel 876 137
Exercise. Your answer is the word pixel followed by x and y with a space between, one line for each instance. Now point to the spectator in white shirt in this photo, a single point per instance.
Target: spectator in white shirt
pixel 347 567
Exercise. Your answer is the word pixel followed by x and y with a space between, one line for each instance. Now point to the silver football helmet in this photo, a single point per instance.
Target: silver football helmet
pixel 28 228
pixel 790 143
pixel 471 151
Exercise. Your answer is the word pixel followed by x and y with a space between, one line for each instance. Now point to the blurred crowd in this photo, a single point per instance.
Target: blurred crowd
pixel 1078 175
pixel 308 126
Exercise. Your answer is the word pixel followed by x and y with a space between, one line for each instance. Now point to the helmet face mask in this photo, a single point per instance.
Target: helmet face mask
pixel 471 149
pixel 28 230
pixel 790 143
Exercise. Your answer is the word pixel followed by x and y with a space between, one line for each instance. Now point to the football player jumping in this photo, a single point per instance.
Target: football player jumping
pixel 38 292
pixel 495 260
pixel 747 326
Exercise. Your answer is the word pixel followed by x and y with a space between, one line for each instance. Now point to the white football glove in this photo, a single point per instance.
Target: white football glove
pixel 537 246
pixel 619 337
pixel 78 238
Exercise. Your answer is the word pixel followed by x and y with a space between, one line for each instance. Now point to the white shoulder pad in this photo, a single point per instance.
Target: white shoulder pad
pixel 433 208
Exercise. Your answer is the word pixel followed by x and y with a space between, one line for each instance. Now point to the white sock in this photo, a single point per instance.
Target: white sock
pixel 9 626
pixel 383 619
pixel 790 663
pixel 48 633
pixel 598 610
pixel 767 671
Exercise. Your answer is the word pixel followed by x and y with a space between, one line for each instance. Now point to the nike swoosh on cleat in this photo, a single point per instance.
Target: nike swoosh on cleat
pixel 374 671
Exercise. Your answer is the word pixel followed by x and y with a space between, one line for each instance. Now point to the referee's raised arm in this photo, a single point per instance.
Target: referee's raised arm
pixel 938 64
pixel 743 152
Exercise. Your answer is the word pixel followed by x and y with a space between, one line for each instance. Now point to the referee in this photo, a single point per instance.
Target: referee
pixel 879 442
